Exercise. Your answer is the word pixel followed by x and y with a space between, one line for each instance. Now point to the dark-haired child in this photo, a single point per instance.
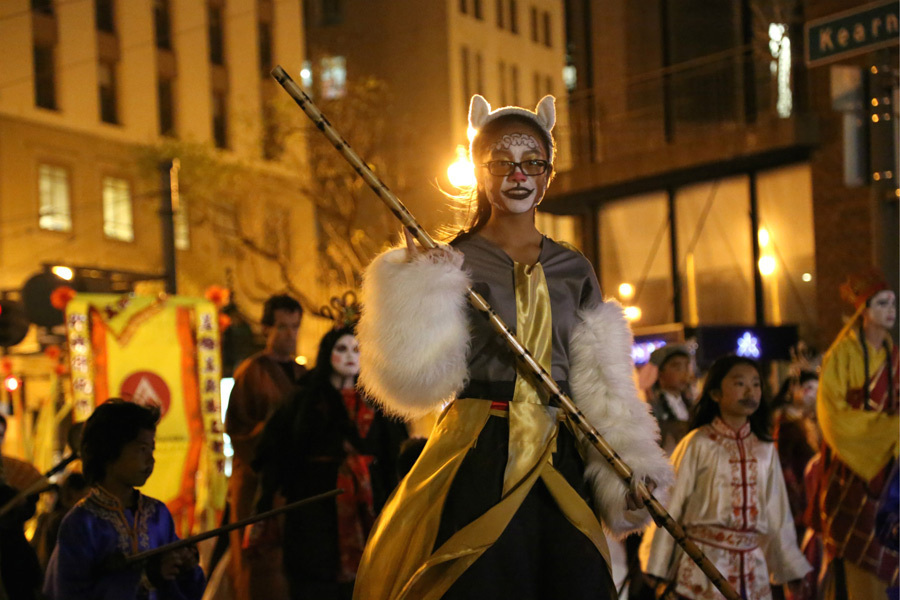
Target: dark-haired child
pixel 117 455
pixel 729 494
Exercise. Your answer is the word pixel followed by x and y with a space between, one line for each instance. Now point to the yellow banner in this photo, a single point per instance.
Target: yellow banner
pixel 163 352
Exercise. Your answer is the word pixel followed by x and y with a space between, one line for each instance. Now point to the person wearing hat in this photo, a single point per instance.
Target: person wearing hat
pixel 669 397
pixel 857 410
pixel 500 504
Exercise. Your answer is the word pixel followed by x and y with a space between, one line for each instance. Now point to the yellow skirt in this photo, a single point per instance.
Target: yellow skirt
pixel 400 561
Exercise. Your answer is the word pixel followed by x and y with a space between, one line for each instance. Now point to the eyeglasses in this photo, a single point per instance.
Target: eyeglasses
pixel 505 168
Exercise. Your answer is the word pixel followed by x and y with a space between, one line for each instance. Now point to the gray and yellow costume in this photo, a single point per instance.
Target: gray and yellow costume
pixel 500 485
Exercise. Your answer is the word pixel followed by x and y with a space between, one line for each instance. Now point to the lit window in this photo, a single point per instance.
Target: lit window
pixel 570 77
pixel 118 223
pixel 334 77
pixel 55 207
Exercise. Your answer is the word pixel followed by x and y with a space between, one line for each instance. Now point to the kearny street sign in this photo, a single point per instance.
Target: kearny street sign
pixel 852 32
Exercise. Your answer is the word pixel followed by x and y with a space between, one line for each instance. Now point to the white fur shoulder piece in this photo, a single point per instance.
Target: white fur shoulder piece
pixel 413 332
pixel 603 387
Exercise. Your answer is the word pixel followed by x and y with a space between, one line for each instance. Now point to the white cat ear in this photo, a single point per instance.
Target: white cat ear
pixel 546 111
pixel 479 109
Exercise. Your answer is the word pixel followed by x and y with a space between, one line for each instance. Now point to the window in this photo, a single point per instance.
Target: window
pixel 514 83
pixel 537 86
pixel 464 6
pixel 216 36
pixel 42 6
pixel 500 20
pixel 220 119
pixel 548 39
pixel 104 15
pixel 118 223
pixel 513 16
pixel 502 82
pixel 476 10
pixel 635 248
pixel 55 211
pixel 44 77
pixel 331 12
pixel 162 24
pixel 534 24
pixel 334 77
pixel 166 107
pixel 548 85
pixel 789 284
pixel 265 49
pixel 106 82
pixel 715 252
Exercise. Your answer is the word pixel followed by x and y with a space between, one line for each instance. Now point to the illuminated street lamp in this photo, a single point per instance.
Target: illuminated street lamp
pixel 767 265
pixel 626 291
pixel 462 172
pixel 763 236
pixel 632 313
pixel 63 272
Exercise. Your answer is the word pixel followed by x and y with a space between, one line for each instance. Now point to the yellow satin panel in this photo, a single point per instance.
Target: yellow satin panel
pixel 533 328
pixel 404 534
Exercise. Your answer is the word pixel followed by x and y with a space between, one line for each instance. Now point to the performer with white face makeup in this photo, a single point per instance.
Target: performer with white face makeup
pixel 506 501
pixel 857 410
pixel 328 436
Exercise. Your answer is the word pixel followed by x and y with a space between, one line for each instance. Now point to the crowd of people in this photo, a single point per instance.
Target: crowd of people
pixel 791 497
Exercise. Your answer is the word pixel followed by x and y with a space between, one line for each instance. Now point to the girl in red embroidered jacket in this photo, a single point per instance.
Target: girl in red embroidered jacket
pixel 729 495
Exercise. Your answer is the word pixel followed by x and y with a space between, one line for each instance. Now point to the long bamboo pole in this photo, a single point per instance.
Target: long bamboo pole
pixel 557 396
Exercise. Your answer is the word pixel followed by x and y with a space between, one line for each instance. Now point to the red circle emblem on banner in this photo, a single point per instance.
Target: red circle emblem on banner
pixel 147 389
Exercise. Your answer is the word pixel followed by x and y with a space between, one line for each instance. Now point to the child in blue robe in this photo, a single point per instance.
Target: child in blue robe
pixel 116 519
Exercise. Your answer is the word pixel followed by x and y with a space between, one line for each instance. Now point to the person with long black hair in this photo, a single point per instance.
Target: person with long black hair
pixel 729 495
pixel 328 436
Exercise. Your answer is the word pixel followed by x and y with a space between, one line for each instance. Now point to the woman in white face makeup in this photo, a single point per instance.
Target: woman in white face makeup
pixel 857 411
pixel 328 436
pixel 505 500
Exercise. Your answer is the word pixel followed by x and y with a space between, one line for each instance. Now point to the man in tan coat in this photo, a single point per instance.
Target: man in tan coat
pixel 261 383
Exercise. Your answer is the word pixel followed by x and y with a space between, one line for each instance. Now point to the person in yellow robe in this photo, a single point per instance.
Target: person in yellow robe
pixel 857 408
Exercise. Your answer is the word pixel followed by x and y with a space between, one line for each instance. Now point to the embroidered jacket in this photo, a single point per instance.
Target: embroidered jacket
pixel 730 497
pixel 99 527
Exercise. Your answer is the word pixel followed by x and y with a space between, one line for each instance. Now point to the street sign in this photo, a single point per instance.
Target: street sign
pixel 852 32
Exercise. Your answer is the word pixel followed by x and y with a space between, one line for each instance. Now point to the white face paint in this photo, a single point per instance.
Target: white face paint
pixel 345 356
pixel 882 309
pixel 515 193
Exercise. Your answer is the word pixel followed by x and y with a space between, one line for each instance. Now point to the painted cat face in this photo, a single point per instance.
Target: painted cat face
pixel 516 192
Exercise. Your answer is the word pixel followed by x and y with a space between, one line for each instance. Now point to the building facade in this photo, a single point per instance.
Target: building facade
pixel 712 170
pixel 432 56
pixel 96 95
